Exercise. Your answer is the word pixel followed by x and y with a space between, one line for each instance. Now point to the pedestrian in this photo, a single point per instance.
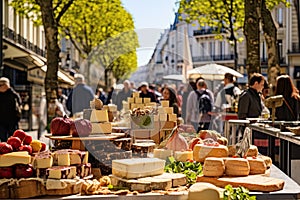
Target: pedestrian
pixel 111 95
pixel 194 116
pixel 10 109
pixel 123 94
pixel 62 98
pixel 80 97
pixel 289 111
pixel 227 96
pixel 169 94
pixel 101 95
pixel 250 103
pixel 145 92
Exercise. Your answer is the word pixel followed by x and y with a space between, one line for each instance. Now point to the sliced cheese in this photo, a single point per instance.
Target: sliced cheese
pixel 10 159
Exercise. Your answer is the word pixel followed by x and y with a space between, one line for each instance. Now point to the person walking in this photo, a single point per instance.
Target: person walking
pixel 194 116
pixel 123 94
pixel 10 109
pixel 80 97
pixel 227 94
pixel 289 111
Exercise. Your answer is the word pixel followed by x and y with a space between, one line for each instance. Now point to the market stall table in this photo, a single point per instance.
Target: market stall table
pixel 291 191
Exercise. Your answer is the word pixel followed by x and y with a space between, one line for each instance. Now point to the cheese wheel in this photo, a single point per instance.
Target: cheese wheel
pixel 237 167
pixel 257 165
pixel 266 159
pixel 203 191
pixel 202 151
pixel 213 167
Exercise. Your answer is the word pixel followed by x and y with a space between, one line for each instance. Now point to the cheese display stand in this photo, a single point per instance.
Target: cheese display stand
pixel 89 161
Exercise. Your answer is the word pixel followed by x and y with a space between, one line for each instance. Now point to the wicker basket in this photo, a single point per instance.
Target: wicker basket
pixel 295 130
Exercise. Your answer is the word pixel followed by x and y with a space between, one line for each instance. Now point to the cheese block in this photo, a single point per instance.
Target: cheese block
pixel 146 100
pixel 162 153
pixel 268 160
pixel 10 159
pixel 257 165
pixel 237 167
pixel 101 128
pixel 164 103
pixel 137 167
pixel 213 167
pixel 84 170
pixel 43 160
pixel 95 115
pixel 183 155
pixel 138 100
pixel 61 172
pixel 178 179
pixel 78 157
pixel 202 151
pixel 169 110
pixel 135 94
pixel 158 184
pixel 203 191
pixel 172 117
pixel 62 158
pixel 163 117
pixel 161 110
pixel 112 107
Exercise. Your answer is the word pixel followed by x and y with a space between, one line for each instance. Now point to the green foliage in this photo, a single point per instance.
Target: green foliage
pixel 91 26
pixel 239 193
pixel 190 169
pixel 228 15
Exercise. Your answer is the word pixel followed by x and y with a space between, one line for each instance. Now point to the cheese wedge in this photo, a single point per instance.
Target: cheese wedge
pixel 10 159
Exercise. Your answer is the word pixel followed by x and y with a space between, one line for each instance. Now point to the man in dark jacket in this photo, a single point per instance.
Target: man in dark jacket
pixel 10 109
pixel 250 103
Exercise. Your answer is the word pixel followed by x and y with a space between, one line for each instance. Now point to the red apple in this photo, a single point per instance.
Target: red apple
pixel 15 142
pixel 23 171
pixel 20 134
pixel 81 128
pixel 5 148
pixel 60 126
pixel 43 146
pixel 28 139
pixel 6 172
pixel 27 148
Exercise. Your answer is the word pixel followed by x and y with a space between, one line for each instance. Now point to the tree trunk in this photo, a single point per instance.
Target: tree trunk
pixel 51 36
pixel 251 32
pixel 270 34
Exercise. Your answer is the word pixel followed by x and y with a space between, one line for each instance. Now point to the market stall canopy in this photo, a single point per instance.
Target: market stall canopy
pixel 213 71
pixel 174 77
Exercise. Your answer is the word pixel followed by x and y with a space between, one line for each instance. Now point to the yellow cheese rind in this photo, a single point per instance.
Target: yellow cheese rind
pixel 10 159
pixel 202 151
pixel 203 191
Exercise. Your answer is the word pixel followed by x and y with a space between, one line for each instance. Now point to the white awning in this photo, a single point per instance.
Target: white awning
pixel 61 76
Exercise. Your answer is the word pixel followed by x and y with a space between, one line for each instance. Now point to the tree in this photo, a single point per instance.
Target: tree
pixel 90 25
pixel 250 13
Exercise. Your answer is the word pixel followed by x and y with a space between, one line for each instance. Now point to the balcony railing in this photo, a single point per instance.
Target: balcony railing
pixel 212 58
pixel 295 48
pixel 12 35
pixel 207 31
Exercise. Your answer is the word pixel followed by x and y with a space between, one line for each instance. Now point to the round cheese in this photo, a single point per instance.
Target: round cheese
pixel 203 191
pixel 202 151
pixel 237 167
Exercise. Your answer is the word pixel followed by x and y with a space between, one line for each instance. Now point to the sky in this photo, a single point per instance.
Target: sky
pixel 150 17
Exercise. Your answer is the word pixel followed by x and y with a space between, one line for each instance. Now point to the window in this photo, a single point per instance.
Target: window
pixel 212 48
pixel 280 17
pixel 222 48
pixel 202 47
pixel 280 49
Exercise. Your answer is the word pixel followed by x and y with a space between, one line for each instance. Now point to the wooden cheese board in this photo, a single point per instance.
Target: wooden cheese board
pixel 252 182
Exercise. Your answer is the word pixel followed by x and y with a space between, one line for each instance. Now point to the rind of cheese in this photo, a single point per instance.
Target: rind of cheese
pixel 237 167
pixel 137 167
pixel 10 159
pixel 43 162
pixel 202 151
pixel 213 167
pixel 61 172
pixel 257 165
pixel 203 191
pixel 61 158
pixel 101 128
pixel 162 153
pixel 183 155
